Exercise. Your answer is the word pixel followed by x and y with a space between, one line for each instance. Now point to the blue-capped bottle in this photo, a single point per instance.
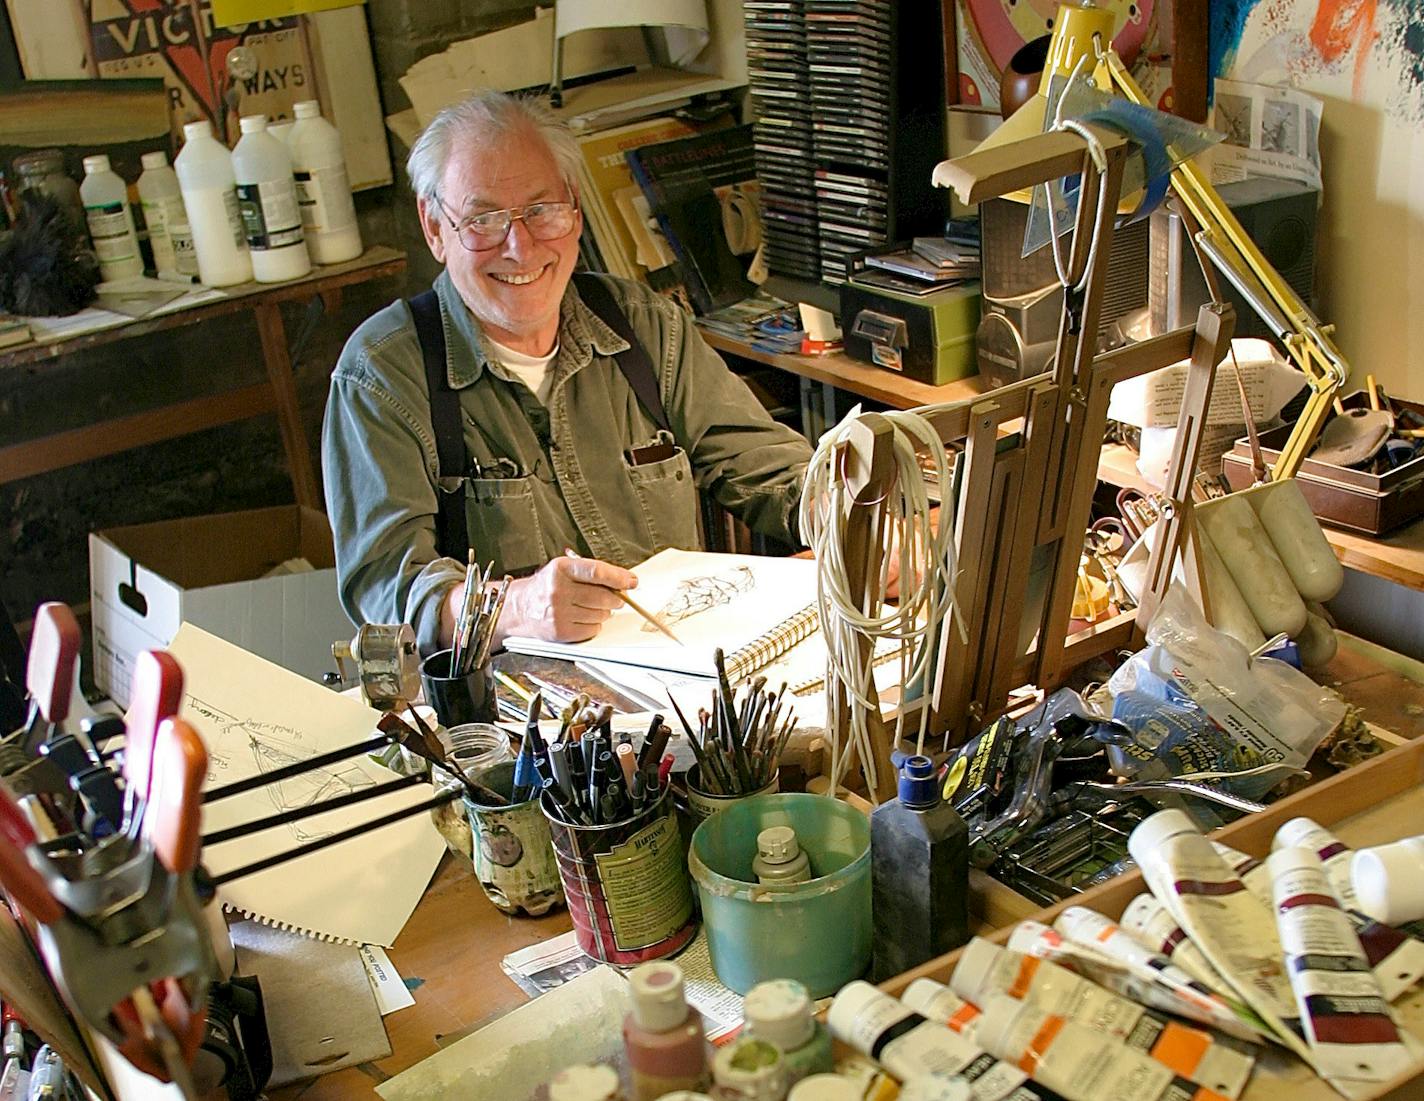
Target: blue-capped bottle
pixel 919 869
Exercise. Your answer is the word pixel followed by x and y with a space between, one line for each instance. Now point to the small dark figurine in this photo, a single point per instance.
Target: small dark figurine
pixel 47 268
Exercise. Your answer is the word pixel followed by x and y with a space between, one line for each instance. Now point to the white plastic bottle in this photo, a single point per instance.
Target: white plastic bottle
pixel 204 169
pixel 323 189
pixel 282 131
pixel 169 234
pixel 111 223
pixel 267 197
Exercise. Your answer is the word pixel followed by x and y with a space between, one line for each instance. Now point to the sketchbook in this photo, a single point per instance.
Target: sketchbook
pixel 255 717
pixel 755 609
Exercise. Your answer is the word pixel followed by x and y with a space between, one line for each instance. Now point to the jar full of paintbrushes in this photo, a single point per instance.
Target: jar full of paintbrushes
pixel 458 682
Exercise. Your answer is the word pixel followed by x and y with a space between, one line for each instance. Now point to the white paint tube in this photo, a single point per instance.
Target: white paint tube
pixel 985 970
pixel 1152 925
pixel 1353 1039
pixel 1128 967
pixel 908 1045
pixel 939 1003
pixel 1076 1062
pixel 1396 958
pixel 1235 932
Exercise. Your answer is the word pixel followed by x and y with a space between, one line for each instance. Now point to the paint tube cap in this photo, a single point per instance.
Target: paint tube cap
pixel 919 787
pixel 777 845
pixel 751 1066
pixel 857 1008
pixel 826 1087
pixel 1153 832
pixel 935 1087
pixel 971 978
pixel 1298 831
pixel 200 129
pixel 1389 881
pixel 584 1083
pixel 996 1024
pixel 780 1010
pixel 97 162
pixel 659 1004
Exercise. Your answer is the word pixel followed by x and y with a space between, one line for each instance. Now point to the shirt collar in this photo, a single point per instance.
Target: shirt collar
pixel 581 334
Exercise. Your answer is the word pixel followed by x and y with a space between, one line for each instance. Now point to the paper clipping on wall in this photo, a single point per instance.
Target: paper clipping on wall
pixel 1270 131
pixel 255 717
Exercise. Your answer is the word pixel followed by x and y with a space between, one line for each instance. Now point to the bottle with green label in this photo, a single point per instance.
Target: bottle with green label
pixel 111 222
pixel 267 198
pixel 169 234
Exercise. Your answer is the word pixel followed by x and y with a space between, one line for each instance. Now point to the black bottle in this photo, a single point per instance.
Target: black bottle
pixel 919 867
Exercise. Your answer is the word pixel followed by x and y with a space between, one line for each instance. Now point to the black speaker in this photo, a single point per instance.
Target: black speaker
pixel 1279 215
pixel 1022 298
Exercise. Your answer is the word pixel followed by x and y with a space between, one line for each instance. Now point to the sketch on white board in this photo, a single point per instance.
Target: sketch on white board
pixel 695 595
pixel 275 747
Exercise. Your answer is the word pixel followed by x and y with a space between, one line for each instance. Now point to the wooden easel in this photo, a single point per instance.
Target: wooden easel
pixel 1026 488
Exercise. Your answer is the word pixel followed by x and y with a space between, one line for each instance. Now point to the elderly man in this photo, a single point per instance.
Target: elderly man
pixel 521 413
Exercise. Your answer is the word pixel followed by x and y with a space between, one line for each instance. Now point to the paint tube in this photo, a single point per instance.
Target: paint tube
pixel 1152 925
pixel 1353 1039
pixel 1076 1062
pixel 1100 950
pixel 874 1083
pixel 939 1003
pixel 908 1046
pixel 985 970
pixel 1235 932
pixel 1396 956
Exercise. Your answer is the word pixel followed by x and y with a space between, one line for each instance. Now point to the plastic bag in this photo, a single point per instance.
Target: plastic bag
pixel 1195 702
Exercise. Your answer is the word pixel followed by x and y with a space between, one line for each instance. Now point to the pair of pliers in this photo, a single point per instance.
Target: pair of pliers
pixel 118 921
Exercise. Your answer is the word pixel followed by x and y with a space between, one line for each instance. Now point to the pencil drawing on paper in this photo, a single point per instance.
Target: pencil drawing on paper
pixel 274 747
pixel 695 595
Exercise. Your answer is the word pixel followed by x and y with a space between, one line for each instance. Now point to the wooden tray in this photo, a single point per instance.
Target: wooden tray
pixel 1376 802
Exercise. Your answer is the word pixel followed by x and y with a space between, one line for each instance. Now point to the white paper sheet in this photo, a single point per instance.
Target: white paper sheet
pixel 706 600
pixel 255 716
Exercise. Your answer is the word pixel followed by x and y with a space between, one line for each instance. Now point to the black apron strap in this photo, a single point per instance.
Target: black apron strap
pixel 452 539
pixel 637 368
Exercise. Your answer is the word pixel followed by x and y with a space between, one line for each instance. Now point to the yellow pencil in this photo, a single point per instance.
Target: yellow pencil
pixel 628 600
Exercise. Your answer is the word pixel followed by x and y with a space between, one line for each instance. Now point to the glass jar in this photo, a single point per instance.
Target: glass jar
pixel 43 170
pixel 474 747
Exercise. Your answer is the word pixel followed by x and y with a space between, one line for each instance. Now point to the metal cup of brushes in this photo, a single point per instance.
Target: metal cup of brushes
pixel 615 836
pixel 459 682
pixel 738 745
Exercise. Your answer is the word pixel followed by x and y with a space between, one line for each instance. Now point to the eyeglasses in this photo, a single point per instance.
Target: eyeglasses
pixel 544 221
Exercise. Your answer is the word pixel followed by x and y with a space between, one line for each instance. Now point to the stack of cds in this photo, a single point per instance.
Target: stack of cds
pixel 848 47
pixel 780 86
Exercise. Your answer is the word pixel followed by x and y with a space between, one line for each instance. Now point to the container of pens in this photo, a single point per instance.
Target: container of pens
pixel 615 836
pixel 513 854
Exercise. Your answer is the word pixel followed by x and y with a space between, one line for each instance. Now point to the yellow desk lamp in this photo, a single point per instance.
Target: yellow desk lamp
pixel 1081 31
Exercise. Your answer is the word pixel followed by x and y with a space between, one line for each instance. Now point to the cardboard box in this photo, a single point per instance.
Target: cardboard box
pixel 146 579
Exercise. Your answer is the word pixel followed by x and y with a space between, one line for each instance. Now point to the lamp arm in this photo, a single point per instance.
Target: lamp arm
pixel 1231 249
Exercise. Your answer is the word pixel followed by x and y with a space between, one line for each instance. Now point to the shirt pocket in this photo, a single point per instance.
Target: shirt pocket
pixel 667 498
pixel 503 521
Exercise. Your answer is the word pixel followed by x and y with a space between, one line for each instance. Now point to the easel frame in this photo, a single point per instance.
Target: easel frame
pixel 1043 432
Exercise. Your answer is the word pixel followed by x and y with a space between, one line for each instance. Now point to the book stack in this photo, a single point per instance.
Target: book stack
pixel 780 89
pixel 695 187
pixel 611 199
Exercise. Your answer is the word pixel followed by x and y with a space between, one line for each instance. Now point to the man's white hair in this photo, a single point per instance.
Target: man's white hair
pixel 483 119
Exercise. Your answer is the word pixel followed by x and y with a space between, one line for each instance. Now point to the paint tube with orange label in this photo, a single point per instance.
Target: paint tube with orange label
pixel 1195 1054
pixel 1354 1042
pixel 1168 987
pixel 1076 1062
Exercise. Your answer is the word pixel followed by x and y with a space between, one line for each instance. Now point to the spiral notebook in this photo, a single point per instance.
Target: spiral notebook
pixel 755 609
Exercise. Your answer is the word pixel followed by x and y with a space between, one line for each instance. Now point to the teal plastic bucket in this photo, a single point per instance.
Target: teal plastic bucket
pixel 817 932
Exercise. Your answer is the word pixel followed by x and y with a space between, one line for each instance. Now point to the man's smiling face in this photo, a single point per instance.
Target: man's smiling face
pixel 513 288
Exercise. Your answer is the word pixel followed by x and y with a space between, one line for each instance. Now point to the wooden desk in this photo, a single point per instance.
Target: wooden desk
pixel 277 395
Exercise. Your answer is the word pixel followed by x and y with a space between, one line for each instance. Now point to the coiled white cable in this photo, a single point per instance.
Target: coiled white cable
pixel 901 521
